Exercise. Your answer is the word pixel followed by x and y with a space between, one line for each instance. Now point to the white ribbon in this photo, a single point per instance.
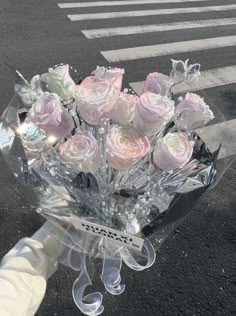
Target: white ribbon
pixel 148 253
pixel 113 254
pixel 90 304
pixel 112 264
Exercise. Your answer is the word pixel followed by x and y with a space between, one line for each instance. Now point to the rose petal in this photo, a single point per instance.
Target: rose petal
pixel 114 75
pixel 157 83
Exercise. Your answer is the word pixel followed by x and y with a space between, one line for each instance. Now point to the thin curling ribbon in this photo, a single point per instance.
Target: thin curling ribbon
pixel 74 259
pixel 112 264
pixel 148 252
pixel 90 304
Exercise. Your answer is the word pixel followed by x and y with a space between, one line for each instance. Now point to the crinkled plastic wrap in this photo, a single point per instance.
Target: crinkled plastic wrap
pixel 142 217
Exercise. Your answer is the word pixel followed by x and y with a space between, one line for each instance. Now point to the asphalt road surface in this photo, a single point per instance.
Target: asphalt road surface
pixel 194 274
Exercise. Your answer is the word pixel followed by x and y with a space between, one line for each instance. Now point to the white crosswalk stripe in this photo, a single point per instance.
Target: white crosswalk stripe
pixel 139 29
pixel 168 49
pixel 69 5
pixel 223 133
pixel 112 15
pixel 209 79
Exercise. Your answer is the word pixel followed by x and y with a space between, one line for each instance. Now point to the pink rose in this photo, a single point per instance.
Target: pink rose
pixel 157 83
pixel 192 112
pixel 125 108
pixel 114 75
pixel 81 153
pixel 50 116
pixel 172 151
pixel 152 113
pixel 96 100
pixel 59 81
pixel 125 147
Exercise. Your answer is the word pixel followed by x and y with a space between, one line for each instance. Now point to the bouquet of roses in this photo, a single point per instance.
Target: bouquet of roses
pixel 116 167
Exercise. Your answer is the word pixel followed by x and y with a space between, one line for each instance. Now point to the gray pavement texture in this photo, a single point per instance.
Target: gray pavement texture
pixel 194 274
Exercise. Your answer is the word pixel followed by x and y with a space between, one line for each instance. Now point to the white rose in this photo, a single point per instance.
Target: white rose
pixel 125 107
pixel 192 112
pixel 81 153
pixel 60 82
pixel 125 147
pixel 152 113
pixel 172 151
pixel 96 100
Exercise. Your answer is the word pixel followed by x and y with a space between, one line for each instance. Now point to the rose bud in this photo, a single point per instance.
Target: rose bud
pixel 172 151
pixel 81 153
pixel 157 83
pixel 125 108
pixel 59 81
pixel 152 113
pixel 96 100
pixel 114 75
pixel 50 116
pixel 125 147
pixel 192 112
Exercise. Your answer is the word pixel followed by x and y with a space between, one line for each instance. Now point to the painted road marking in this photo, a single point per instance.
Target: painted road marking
pixel 221 133
pixel 139 29
pixel 111 15
pixel 168 49
pixel 69 5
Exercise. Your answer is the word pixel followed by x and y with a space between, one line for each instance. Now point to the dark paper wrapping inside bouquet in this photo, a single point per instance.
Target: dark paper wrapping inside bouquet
pixel 160 228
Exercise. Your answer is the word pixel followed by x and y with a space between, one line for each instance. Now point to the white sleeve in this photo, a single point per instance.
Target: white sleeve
pixel 24 272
